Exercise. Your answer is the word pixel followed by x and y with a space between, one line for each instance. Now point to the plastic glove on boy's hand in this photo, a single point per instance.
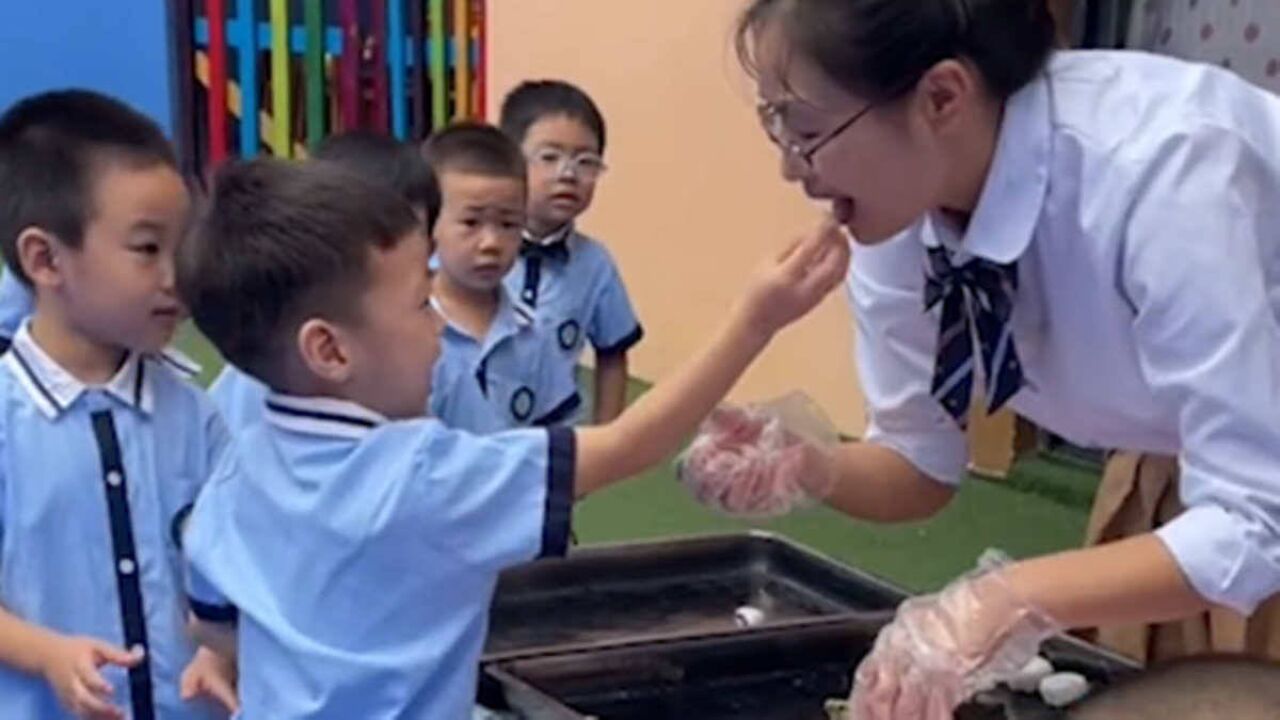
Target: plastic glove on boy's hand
pixel 942 649
pixel 762 460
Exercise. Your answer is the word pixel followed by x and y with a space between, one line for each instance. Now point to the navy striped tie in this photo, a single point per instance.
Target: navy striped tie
pixel 975 296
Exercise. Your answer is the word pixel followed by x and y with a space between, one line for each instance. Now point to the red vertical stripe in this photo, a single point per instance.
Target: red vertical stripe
pixel 481 19
pixel 349 65
pixel 216 14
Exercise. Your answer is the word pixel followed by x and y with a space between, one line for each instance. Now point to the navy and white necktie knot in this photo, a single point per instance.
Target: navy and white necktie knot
pixel 976 299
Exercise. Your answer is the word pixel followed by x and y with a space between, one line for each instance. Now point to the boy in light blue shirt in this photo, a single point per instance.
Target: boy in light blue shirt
pixel 103 444
pixel 359 543
pixel 496 370
pixel 568 278
pixel 373 157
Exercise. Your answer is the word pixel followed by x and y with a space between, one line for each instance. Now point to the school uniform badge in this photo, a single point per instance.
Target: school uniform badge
pixel 522 404
pixel 568 334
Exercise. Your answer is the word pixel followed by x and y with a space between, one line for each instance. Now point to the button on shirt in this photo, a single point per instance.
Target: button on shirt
pixel 1140 199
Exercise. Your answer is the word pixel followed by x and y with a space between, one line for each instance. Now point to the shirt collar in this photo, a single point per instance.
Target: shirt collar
pixel 1013 196
pixel 323 416
pixel 562 235
pixel 510 319
pixel 54 390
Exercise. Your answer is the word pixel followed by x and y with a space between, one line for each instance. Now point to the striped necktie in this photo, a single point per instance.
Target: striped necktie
pixel 977 299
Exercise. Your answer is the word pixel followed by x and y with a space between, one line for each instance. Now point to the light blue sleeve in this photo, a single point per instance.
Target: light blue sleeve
pixel 201 534
pixel 498 500
pixel 16 304
pixel 613 327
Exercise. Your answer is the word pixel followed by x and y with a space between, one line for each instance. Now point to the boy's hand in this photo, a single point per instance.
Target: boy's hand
pixel 791 284
pixel 942 649
pixel 71 668
pixel 212 676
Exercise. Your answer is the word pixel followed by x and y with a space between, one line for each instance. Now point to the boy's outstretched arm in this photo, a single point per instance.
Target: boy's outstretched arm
pixel 785 288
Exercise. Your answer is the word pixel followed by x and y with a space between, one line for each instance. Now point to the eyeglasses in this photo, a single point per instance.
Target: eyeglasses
pixel 585 165
pixel 774 126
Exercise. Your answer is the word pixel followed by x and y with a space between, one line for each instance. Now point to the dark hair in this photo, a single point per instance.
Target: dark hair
pixel 477 148
pixel 52 147
pixel 384 160
pixel 534 100
pixel 281 242
pixel 1196 688
pixel 879 49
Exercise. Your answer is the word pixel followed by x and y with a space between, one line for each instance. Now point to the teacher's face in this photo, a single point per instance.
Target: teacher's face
pixel 877 164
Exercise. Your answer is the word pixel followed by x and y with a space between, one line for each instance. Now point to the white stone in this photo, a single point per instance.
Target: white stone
pixel 1028 678
pixel 748 616
pixel 1062 689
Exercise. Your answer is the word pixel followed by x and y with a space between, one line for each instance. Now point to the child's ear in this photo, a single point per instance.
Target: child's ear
pixel 323 350
pixel 38 255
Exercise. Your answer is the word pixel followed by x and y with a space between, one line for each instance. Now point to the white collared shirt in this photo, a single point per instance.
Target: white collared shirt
pixel 1140 198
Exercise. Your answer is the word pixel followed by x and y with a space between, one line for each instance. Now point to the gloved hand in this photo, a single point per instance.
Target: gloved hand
pixel 942 649
pixel 762 460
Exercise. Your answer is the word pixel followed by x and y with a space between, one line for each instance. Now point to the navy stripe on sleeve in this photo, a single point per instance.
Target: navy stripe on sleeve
pixel 221 614
pixel 632 338
pixel 562 452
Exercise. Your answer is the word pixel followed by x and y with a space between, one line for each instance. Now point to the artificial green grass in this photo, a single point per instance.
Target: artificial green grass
pixel 1041 508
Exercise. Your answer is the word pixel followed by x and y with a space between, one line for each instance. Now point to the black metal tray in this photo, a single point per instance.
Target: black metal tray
pixel 776 674
pixel 602 596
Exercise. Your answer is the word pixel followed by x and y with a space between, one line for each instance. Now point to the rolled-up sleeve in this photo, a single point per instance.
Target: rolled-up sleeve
pixel 1197 266
pixel 895 348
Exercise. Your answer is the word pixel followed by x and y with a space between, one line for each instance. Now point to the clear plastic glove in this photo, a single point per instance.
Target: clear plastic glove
pixel 763 460
pixel 942 649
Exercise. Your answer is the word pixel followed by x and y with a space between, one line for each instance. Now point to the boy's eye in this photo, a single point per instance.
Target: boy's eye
pixel 508 225
pixel 550 157
pixel 149 248
pixel 471 223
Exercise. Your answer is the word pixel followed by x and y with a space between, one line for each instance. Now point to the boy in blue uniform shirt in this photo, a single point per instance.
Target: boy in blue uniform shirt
pixel 496 370
pixel 360 542
pixel 373 157
pixel 568 278
pixel 102 444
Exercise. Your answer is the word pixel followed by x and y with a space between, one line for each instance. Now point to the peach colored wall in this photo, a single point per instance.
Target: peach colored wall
pixel 693 198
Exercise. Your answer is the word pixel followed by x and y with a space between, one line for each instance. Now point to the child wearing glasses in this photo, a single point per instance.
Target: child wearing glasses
pixel 569 280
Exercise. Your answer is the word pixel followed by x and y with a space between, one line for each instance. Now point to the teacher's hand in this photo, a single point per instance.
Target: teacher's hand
pixel 942 649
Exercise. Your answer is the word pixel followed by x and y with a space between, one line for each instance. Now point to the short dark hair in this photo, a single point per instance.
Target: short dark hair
pixel 879 49
pixel 385 160
pixel 280 242
pixel 477 148
pixel 534 100
pixel 1206 687
pixel 51 148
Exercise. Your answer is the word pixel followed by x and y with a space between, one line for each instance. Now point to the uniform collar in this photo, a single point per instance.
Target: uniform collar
pixel 54 390
pixel 561 237
pixel 323 416
pixel 510 319
pixel 1013 195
